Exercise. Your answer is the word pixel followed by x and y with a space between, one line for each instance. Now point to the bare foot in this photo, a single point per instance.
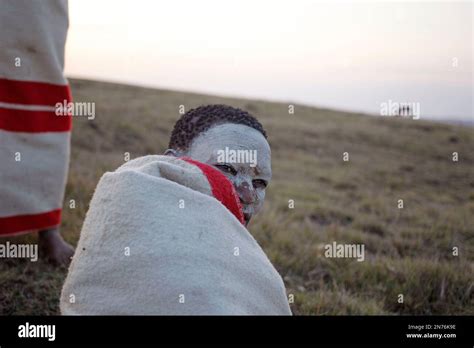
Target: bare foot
pixel 57 251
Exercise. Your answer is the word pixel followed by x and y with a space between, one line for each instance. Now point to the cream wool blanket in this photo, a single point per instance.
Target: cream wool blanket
pixel 156 241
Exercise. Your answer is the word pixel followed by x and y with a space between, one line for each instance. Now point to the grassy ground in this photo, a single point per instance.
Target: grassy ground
pixel 408 251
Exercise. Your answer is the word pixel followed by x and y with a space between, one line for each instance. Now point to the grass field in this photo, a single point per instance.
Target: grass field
pixel 409 251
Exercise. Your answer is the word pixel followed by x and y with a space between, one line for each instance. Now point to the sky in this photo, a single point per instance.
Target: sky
pixel 348 55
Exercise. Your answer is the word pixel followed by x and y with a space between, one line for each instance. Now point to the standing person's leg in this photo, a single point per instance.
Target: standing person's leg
pixel 54 247
pixel 34 142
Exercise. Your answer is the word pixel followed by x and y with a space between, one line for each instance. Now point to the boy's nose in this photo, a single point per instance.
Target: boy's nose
pixel 246 193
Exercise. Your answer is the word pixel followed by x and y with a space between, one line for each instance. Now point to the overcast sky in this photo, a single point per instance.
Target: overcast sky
pixel 347 55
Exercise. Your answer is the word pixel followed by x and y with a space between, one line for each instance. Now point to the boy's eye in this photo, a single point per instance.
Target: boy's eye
pixel 259 183
pixel 226 169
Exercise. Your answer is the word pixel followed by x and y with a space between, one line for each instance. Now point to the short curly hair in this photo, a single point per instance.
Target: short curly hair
pixel 199 120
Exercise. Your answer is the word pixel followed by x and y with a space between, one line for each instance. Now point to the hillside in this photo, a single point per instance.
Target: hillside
pixel 408 251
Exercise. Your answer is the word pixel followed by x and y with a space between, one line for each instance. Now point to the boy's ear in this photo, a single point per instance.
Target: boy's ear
pixel 172 152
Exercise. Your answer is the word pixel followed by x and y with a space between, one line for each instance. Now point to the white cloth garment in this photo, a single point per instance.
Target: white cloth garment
pixel 156 241
pixel 34 142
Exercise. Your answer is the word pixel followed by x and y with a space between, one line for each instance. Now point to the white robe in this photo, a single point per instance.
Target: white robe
pixel 34 142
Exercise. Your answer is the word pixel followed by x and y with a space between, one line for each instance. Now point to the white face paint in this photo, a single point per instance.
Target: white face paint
pixel 231 149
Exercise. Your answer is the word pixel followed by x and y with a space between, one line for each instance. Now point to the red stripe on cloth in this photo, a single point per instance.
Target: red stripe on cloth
pixel 33 93
pixel 20 223
pixel 222 188
pixel 31 121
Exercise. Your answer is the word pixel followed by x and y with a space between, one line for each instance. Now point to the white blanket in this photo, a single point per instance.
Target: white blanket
pixel 142 252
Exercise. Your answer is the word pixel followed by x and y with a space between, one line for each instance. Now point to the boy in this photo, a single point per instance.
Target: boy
pixel 166 235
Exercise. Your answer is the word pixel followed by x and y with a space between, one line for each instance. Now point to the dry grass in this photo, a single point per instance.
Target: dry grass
pixel 408 251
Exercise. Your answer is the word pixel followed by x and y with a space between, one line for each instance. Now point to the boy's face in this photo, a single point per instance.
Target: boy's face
pixel 243 155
